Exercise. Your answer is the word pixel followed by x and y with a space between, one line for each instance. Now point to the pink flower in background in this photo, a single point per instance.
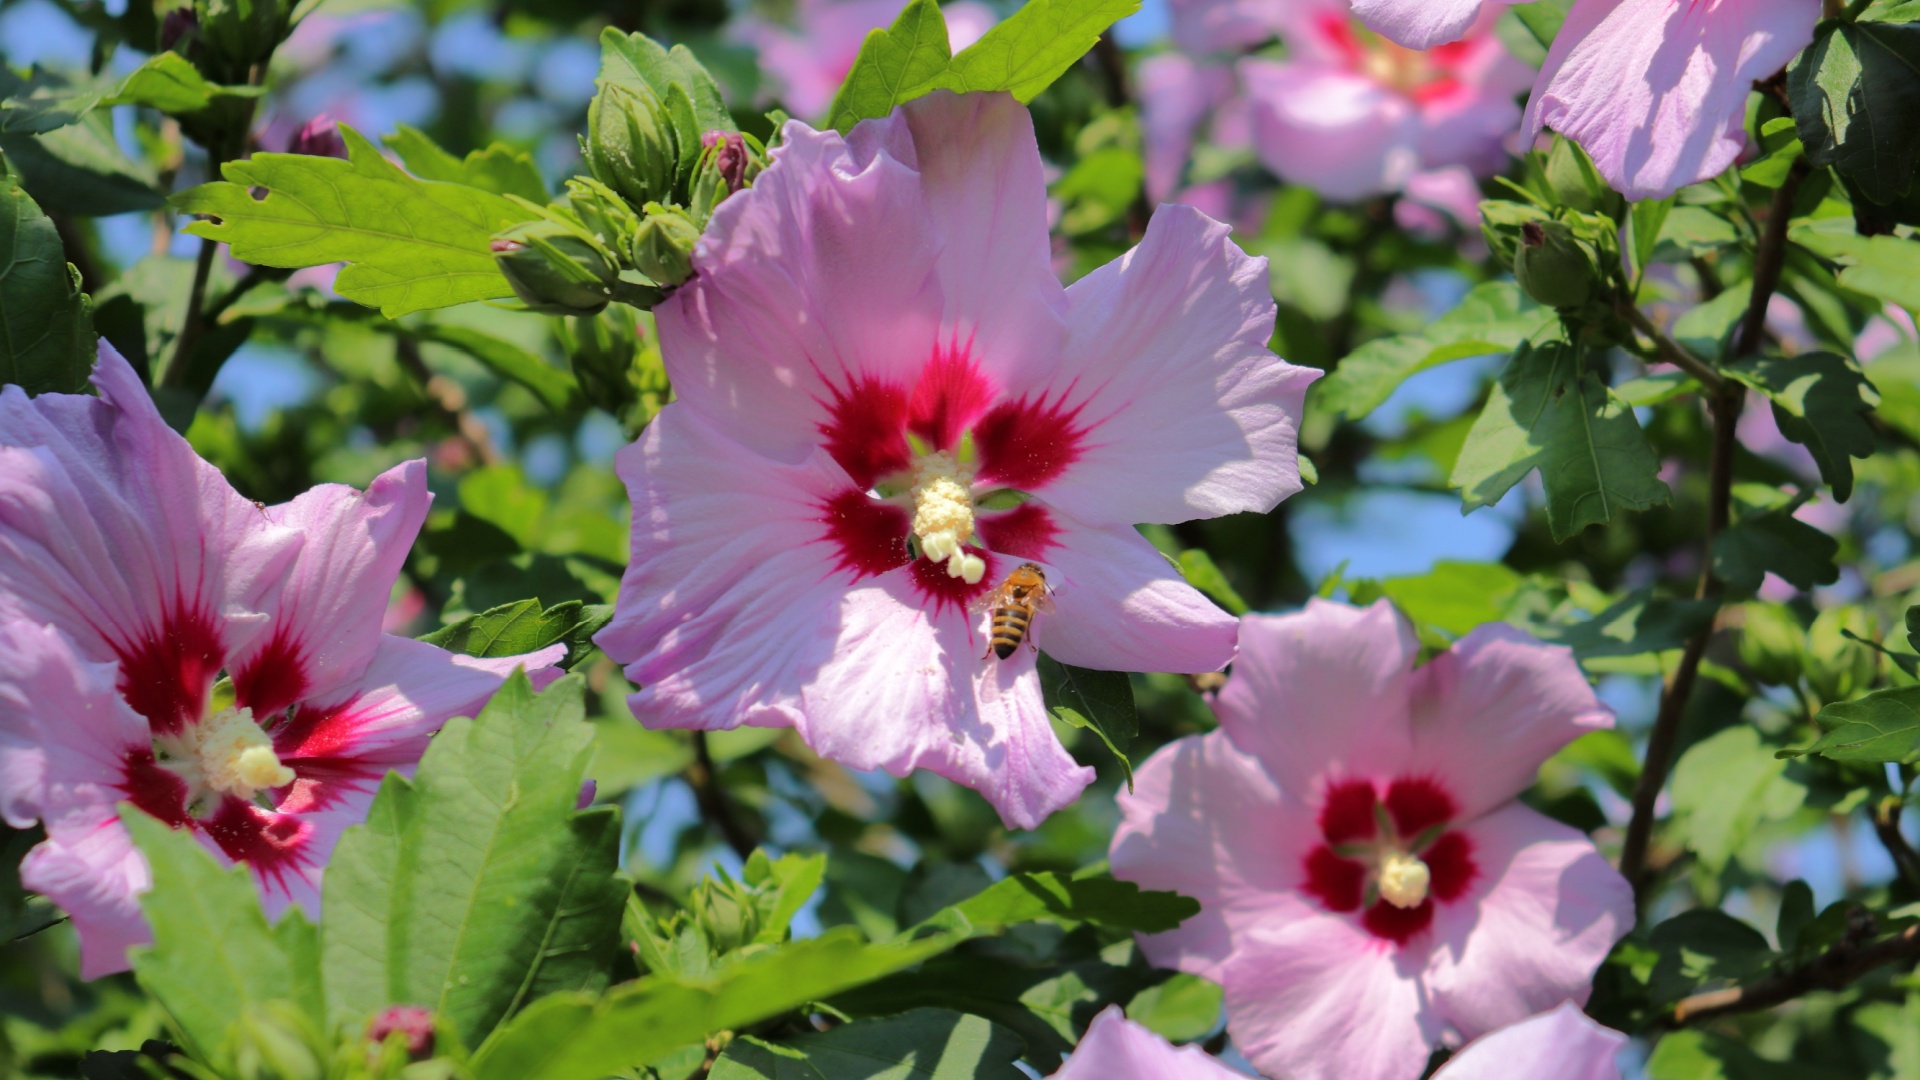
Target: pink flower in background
pixel 1562 1044
pixel 1211 26
pixel 1353 115
pixel 887 403
pixel 131 576
pixel 1116 1048
pixel 1369 881
pixel 807 61
pixel 1654 90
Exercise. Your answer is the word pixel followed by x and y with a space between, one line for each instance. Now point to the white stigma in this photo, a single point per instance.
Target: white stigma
pixel 943 515
pixel 1403 880
pixel 235 756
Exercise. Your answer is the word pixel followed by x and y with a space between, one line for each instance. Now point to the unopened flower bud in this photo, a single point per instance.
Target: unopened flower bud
pixel 630 144
pixel 730 157
pixel 1551 267
pixel 179 31
pixel 241 33
pixel 554 268
pixel 603 213
pixel 663 246
pixel 588 789
pixel 320 137
pixel 414 1025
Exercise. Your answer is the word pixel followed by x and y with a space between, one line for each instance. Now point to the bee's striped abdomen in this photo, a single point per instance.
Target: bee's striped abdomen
pixel 1009 629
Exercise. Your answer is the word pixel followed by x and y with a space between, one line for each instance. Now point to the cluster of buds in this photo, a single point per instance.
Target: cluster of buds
pixel 659 164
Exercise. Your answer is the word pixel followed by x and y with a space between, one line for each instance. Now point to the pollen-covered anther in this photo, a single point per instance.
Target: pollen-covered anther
pixel 943 515
pixel 236 757
pixel 1403 880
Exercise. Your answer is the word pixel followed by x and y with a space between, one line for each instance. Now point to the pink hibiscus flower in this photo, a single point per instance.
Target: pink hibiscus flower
pixel 887 403
pixel 1370 885
pixel 1561 1044
pixel 131 576
pixel 1352 115
pixel 1116 1048
pixel 807 61
pixel 1654 90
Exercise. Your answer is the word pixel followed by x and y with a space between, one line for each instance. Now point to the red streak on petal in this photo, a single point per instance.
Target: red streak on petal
pixel 1023 444
pixel 1339 883
pixel 272 844
pixel 1440 89
pixel 165 677
pixel 950 396
pixel 324 783
pixel 274 678
pixel 871 536
pixel 1347 815
pixel 866 430
pixel 941 589
pixel 1338 32
pixel 1397 924
pixel 1027 531
pixel 1450 866
pixel 317 733
pixel 1416 803
pixel 158 791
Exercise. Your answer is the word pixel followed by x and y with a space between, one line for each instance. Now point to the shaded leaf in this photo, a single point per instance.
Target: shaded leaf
pixel 1704 948
pixel 1723 787
pixel 1820 400
pixel 1774 540
pixel 1495 317
pixel 1883 726
pixel 46 330
pixel 1101 701
pixel 1856 100
pixel 525 627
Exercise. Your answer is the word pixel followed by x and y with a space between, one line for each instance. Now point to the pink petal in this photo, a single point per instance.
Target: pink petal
pixel 89 866
pixel 1322 694
pixel 112 529
pixel 813 283
pixel 1543 913
pixel 1318 998
pixel 1489 711
pixel 1119 606
pixel 1339 133
pixel 1186 413
pixel 1420 24
pixel 1205 820
pixel 1207 26
pixel 1656 90
pixel 335 596
pixel 408 691
pixel 967 22
pixel 986 192
pixel 64 729
pixel 1115 1048
pixel 1176 93
pixel 1561 1044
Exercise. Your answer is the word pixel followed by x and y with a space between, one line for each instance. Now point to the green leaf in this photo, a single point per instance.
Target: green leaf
pixel 584 1037
pixel 1022 55
pixel 1702 1055
pixel 923 1044
pixel 1495 317
pixel 213 954
pixel 497 890
pixel 1724 786
pixel 80 169
pixel 1454 596
pixel 46 330
pixel 1820 400
pixel 524 627
pixel 555 388
pixel 1545 414
pixel 1637 624
pixel 1883 726
pixel 1886 267
pixel 1856 100
pixel 1693 230
pixel 1182 1009
pixel 1774 540
pixel 1102 901
pixel 1704 948
pixel 499 168
pixel 170 83
pixel 904 57
pixel 1645 220
pixel 410 244
pixel 1200 571
pixel 1543 18
pixel 1100 701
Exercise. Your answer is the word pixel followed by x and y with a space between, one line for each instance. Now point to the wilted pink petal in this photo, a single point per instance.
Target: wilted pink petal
pixel 1116 1048
pixel 1368 881
pixel 1655 91
pixel 1560 1044
pixel 887 404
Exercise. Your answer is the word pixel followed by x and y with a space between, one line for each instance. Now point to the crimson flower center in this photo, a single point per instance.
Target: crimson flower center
pixel 1390 857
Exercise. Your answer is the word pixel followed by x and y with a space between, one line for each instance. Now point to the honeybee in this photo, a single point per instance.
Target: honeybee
pixel 1014 604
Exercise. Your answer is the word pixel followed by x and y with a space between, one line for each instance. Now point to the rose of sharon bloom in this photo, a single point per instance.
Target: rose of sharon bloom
pixel 1352 115
pixel 1561 1044
pixel 1368 881
pixel 887 403
pixel 1654 90
pixel 131 576
pixel 1116 1048
pixel 807 61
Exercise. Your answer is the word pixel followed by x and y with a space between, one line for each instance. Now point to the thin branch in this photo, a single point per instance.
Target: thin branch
pixel 195 322
pixel 1834 969
pixel 704 778
pixel 1769 258
pixel 1672 351
pixel 1886 825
